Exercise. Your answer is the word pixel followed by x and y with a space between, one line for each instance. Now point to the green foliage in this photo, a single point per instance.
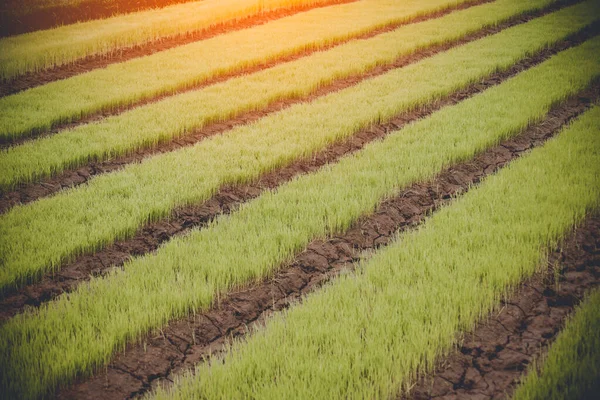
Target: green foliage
pixel 366 336
pixel 40 236
pixel 167 71
pixel 162 121
pixel 571 370
pixel 79 332
pixel 39 50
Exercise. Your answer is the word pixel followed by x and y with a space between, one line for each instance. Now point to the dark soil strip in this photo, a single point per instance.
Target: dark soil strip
pixel 118 55
pixel 491 360
pixel 26 193
pixel 151 236
pixel 187 342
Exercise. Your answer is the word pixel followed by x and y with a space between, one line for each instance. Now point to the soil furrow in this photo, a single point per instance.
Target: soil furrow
pixel 491 360
pixel 186 342
pixel 149 237
pixel 30 80
pixel 29 192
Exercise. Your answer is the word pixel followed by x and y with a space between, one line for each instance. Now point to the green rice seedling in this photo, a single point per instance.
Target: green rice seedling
pixel 39 236
pixel 80 331
pixel 162 121
pixel 34 51
pixel 571 369
pixel 168 71
pixel 367 335
pixel 232 7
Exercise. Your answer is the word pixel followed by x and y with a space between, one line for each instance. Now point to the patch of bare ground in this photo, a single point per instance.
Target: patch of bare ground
pixel 26 193
pixel 38 78
pixel 186 342
pixel 491 360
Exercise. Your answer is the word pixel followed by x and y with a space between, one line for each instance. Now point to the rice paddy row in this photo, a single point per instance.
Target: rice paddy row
pixel 164 73
pixel 369 334
pixel 79 332
pixel 173 117
pixel 45 49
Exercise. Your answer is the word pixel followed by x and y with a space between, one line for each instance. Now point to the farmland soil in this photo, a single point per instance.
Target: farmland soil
pixel 491 360
pixel 90 63
pixel 186 342
pixel 29 192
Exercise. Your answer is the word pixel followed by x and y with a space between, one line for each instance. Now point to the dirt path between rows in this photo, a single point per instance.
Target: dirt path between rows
pixel 184 343
pixel 26 193
pixel 90 63
pixel 151 236
pixel 492 359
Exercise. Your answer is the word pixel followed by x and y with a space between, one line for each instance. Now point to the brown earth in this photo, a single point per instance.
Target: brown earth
pixel 90 63
pixel 29 192
pixel 186 342
pixel 491 360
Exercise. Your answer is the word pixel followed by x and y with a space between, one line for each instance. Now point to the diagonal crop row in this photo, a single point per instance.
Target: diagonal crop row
pixel 491 360
pixel 159 122
pixel 76 176
pixel 571 370
pixel 169 71
pixel 45 49
pixel 27 16
pixel 79 332
pixel 368 334
pixel 39 236
pixel 34 79
pixel 140 26
pixel 181 344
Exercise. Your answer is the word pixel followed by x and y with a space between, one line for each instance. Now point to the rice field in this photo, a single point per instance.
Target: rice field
pixel 301 199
